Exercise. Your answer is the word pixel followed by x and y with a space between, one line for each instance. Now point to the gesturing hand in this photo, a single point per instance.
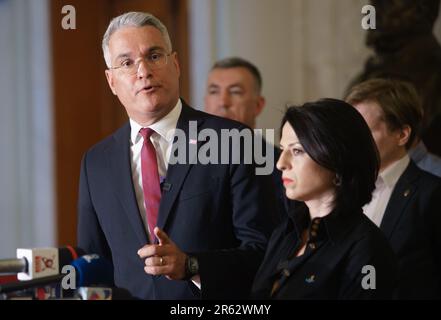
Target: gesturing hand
pixel 164 258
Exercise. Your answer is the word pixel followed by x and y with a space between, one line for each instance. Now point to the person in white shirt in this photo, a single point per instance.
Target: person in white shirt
pixel 406 201
pixel 173 226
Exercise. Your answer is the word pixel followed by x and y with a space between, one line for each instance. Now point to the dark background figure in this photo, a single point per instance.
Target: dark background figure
pixel 406 48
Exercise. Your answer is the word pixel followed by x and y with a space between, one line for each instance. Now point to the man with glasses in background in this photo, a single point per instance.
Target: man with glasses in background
pixel 172 231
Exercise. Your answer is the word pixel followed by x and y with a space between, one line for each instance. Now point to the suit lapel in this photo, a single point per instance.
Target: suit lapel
pixel 176 173
pixel 121 175
pixel 402 193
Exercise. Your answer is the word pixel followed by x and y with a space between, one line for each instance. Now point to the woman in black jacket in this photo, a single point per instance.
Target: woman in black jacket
pixel 327 249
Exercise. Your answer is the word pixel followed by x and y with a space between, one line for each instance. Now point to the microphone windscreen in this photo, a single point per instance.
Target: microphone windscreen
pixel 93 270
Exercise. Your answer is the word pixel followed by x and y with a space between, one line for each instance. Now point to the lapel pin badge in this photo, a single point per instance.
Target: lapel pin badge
pixel 406 193
pixel 310 279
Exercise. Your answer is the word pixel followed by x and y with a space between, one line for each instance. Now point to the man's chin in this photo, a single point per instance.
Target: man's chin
pixel 155 108
pixel 149 103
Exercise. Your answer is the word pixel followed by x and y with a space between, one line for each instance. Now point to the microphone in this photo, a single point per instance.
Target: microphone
pixel 164 185
pixel 89 270
pixel 28 284
pixel 94 293
pixel 101 293
pixel 93 269
pixel 94 279
pixel 39 262
pixel 13 265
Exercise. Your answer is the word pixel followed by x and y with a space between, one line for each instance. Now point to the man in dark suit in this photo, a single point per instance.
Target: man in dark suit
pixel 173 229
pixel 234 91
pixel 406 201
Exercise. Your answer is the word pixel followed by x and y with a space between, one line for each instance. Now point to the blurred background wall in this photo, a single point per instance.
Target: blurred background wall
pixel 55 103
pixel 27 181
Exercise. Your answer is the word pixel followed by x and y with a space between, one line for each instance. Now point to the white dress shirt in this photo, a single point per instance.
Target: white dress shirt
pixel 162 140
pixel 384 186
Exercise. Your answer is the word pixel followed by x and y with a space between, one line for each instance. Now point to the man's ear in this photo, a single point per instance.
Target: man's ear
pixel 109 77
pixel 260 106
pixel 404 135
pixel 176 63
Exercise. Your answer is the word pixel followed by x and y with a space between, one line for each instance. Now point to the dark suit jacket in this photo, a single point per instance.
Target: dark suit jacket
pixel 332 265
pixel 219 212
pixel 412 224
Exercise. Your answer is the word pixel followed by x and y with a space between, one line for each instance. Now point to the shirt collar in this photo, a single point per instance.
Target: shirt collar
pixel 392 173
pixel 164 127
pixel 333 226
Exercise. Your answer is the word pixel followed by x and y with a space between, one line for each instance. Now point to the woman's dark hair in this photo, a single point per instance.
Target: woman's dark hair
pixel 336 136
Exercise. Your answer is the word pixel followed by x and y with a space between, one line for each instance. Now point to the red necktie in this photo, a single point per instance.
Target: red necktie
pixel 150 180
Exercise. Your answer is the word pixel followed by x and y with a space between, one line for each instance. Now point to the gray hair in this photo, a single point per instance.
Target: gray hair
pixel 236 62
pixel 133 19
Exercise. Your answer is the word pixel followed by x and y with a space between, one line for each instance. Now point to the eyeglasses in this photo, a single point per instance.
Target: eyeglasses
pixel 155 60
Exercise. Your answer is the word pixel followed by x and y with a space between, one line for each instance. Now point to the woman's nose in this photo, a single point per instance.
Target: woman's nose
pixel 281 162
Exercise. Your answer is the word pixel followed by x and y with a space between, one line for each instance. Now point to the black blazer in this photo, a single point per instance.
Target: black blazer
pixel 220 213
pixel 412 224
pixel 332 265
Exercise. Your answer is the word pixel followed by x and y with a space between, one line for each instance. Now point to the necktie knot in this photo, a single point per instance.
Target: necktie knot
pixel 146 133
